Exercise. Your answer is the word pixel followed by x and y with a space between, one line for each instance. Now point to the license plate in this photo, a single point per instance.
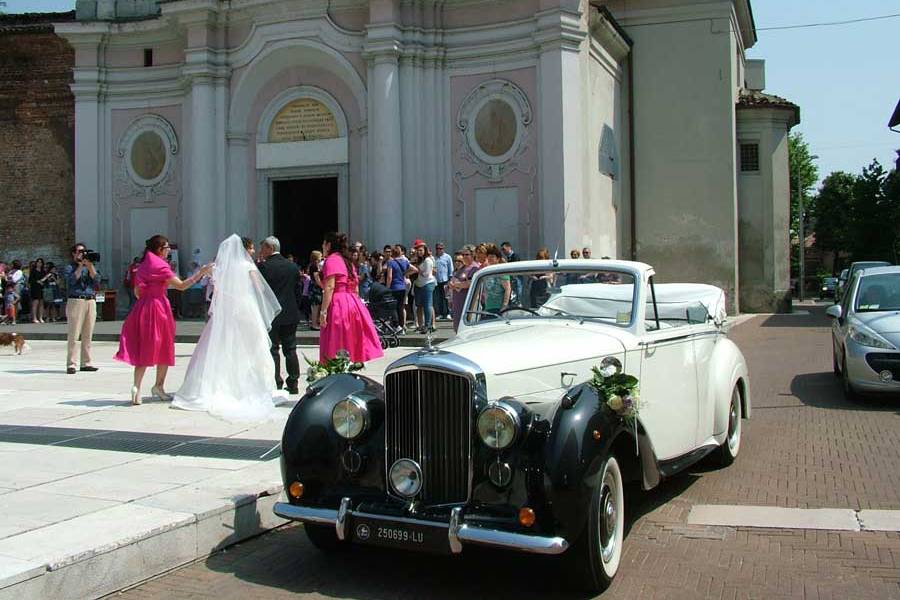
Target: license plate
pixel 407 536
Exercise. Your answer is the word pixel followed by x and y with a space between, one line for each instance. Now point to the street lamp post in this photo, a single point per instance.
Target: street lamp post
pixel 802 240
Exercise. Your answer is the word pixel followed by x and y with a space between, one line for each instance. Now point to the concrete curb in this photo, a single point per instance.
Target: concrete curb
pixel 156 540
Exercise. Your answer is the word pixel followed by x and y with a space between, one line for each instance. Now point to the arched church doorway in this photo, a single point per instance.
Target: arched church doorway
pixel 303 211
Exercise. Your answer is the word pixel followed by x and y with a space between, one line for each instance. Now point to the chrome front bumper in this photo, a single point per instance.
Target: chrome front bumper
pixel 458 533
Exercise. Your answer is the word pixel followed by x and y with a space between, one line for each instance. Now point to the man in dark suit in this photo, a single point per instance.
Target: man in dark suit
pixel 282 275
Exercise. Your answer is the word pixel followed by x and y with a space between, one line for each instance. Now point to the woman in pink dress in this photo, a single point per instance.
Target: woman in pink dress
pixel 148 334
pixel 346 323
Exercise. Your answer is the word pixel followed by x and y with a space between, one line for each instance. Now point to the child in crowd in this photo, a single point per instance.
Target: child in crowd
pixel 10 299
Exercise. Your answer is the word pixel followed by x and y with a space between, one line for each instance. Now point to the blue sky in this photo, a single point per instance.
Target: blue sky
pixel 845 78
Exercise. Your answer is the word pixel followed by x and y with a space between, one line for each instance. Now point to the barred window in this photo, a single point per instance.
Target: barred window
pixel 749 157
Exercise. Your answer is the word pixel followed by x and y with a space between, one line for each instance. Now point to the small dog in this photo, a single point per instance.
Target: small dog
pixel 13 339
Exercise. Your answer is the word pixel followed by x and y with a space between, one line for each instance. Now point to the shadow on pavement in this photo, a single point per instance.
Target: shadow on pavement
pixel 36 371
pixel 823 390
pixel 97 403
pixel 285 559
pixel 815 318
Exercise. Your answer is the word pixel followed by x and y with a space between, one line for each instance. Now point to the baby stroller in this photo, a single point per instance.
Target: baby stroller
pixel 383 309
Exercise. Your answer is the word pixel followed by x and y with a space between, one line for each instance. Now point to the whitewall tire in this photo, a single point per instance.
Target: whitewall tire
pixel 729 449
pixel 596 557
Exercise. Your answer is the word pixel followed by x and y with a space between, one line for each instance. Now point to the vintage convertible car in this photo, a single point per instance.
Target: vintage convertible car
pixel 501 436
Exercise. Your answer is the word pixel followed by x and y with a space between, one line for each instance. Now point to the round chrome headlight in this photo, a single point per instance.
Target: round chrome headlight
pixel 406 477
pixel 350 417
pixel 498 425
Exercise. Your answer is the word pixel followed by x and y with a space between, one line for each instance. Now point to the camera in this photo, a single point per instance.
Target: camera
pixel 92 256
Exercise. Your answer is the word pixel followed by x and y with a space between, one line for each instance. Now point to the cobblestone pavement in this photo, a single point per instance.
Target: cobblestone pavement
pixel 804 447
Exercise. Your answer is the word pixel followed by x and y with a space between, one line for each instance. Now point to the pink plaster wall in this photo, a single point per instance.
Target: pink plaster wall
pixel 122 202
pixel 353 19
pixel 163 54
pixel 488 13
pixel 529 213
pixel 238 33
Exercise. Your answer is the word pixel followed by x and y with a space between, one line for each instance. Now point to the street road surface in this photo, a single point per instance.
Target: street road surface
pixel 805 447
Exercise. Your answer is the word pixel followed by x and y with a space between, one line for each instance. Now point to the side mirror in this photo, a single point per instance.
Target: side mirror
pixel 834 311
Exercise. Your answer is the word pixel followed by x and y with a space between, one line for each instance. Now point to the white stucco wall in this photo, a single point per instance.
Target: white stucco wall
pixel 763 198
pixel 684 93
pixel 605 211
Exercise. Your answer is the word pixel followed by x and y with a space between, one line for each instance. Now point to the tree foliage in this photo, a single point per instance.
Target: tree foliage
pixel 833 204
pixel 803 174
pixel 860 214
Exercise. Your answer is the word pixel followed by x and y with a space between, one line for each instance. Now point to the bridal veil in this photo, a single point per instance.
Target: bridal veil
pixel 231 373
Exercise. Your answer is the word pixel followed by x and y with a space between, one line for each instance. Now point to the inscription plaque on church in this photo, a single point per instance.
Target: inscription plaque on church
pixel 148 155
pixel 495 127
pixel 303 120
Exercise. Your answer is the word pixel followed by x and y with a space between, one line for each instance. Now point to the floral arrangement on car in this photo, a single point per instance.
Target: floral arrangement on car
pixel 618 390
pixel 320 369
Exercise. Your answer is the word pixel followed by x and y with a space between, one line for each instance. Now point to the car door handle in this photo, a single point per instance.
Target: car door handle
pixel 567 375
pixel 663 341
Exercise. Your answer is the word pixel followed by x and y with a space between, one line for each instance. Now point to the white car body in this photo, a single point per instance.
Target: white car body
pixel 687 372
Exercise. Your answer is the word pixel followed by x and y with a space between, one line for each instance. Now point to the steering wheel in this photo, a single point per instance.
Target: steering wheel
pixel 509 308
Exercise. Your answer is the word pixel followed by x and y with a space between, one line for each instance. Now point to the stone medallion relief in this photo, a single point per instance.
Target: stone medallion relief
pixel 147 153
pixel 494 120
pixel 495 127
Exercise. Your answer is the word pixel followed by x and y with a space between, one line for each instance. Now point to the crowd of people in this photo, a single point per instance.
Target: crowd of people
pixel 34 293
pixel 426 286
pixel 258 301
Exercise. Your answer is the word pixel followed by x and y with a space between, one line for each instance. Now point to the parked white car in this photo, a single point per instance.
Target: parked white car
pixel 865 333
pixel 506 436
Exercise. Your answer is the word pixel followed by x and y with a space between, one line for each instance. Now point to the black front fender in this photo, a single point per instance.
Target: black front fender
pixel 581 438
pixel 314 454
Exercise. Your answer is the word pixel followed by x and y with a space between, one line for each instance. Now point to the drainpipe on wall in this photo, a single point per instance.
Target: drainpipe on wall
pixel 631 176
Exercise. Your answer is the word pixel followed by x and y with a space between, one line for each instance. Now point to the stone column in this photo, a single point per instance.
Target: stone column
pixel 561 34
pixel 386 195
pixel 89 41
pixel 87 164
pixel 239 218
pixel 200 204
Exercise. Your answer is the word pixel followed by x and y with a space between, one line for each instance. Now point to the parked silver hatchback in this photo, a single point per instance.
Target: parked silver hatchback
pixel 865 333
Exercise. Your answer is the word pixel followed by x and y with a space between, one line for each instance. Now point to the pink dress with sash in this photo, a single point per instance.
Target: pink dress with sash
pixel 148 334
pixel 349 325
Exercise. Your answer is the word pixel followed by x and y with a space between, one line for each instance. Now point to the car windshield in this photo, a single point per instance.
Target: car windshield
pixel 878 293
pixel 599 295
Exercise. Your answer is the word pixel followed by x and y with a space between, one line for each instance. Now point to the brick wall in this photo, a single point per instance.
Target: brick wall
pixel 37 139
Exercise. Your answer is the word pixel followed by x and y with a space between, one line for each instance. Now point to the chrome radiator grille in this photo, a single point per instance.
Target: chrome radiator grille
pixel 428 417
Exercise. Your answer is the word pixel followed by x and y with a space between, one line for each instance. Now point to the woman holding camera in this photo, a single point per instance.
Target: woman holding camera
pixel 148 334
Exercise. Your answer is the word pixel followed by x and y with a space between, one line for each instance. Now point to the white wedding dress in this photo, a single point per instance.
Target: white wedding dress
pixel 231 374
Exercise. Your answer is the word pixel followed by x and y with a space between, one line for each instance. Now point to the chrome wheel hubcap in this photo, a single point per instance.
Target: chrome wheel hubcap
pixel 608 522
pixel 734 425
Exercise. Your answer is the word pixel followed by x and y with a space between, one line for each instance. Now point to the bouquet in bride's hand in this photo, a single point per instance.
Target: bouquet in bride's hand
pixel 341 363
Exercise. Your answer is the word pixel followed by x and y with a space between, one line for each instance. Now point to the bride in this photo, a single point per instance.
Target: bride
pixel 231 372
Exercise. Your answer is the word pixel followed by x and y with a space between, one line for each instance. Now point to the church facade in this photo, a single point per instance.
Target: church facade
pixel 636 128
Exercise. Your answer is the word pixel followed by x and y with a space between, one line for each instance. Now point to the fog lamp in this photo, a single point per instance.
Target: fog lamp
pixel 886 376
pixel 498 425
pixel 350 417
pixel 296 490
pixel 406 477
pixel 526 516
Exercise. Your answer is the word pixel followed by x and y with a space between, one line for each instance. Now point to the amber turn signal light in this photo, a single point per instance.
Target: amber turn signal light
pixel 296 490
pixel 526 517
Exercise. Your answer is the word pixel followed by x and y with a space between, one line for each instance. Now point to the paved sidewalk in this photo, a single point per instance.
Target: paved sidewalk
pixel 97 494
